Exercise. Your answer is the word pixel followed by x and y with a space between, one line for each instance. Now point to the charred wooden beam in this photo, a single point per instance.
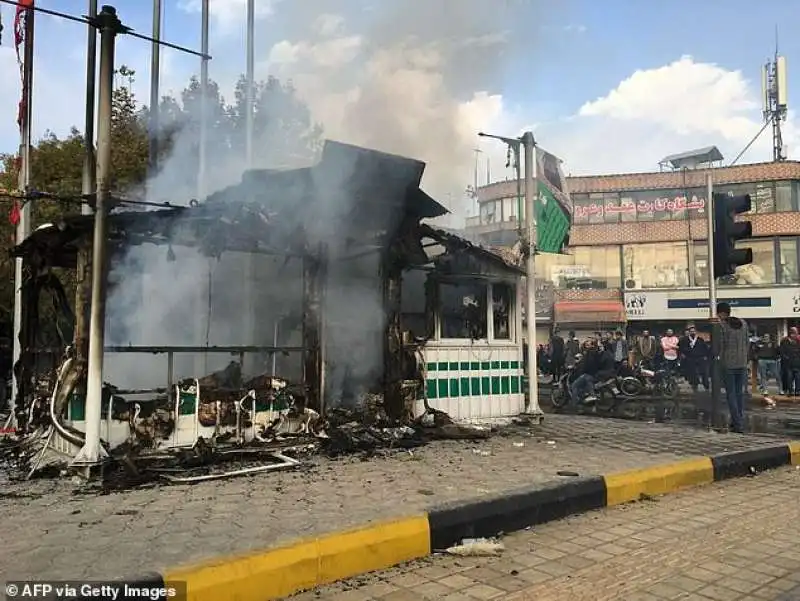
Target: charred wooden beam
pixel 314 277
pixel 392 277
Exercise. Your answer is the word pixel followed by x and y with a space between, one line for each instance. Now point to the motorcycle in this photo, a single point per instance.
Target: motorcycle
pixel 609 400
pixel 649 382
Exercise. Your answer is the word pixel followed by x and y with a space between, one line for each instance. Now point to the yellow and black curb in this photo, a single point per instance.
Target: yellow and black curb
pixel 282 571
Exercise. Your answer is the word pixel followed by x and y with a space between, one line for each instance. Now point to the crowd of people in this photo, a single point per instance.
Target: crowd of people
pixel 743 354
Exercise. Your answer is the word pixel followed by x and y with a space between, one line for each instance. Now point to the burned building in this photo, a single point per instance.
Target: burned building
pixel 323 281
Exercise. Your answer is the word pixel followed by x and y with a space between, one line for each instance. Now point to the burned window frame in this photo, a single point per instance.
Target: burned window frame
pixel 488 288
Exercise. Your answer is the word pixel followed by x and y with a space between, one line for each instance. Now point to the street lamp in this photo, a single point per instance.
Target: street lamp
pixel 527 142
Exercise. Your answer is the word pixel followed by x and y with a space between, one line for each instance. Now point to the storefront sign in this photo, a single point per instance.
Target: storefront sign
pixel 635 305
pixel 645 207
pixel 702 303
pixel 687 304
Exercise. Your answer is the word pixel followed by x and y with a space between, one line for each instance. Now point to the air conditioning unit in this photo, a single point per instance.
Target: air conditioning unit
pixel 633 284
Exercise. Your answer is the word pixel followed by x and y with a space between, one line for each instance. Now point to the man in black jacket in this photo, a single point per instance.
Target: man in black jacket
pixel 557 355
pixel 694 354
pixel 790 360
pixel 598 366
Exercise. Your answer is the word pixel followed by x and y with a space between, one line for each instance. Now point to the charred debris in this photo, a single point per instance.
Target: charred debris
pixel 353 223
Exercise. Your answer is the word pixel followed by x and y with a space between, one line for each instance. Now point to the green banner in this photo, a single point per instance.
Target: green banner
pixel 552 222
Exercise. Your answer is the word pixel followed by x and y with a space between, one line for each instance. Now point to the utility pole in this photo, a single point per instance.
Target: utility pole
pixel 24 178
pixel 155 82
pixel 716 388
pixel 92 452
pixel 201 171
pixel 517 145
pixel 201 362
pixel 531 192
pixel 250 80
pixel 89 165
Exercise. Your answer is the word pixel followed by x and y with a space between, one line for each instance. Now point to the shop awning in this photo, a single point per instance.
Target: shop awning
pixel 610 312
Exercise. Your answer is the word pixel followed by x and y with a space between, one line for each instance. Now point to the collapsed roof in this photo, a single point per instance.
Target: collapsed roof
pixel 354 196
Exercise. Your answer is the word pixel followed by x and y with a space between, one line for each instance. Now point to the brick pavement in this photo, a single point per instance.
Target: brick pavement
pixel 49 531
pixel 733 541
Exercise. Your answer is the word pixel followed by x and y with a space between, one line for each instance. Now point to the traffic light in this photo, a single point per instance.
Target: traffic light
pixel 728 231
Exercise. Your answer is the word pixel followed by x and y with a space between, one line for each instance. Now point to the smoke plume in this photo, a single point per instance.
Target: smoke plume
pixel 409 80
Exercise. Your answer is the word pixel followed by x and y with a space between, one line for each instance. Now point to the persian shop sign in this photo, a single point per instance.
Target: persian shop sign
pixel 644 207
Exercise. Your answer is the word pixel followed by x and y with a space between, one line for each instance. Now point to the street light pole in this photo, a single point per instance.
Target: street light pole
pixel 517 145
pixel 716 388
pixel 531 192
pixel 92 453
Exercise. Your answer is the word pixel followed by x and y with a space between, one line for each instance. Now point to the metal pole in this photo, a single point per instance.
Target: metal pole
pixel 24 224
pixel 92 452
pixel 530 313
pixel 249 263
pixel 250 77
pixel 155 80
pixel 89 165
pixel 201 171
pixel 716 388
pixel 518 168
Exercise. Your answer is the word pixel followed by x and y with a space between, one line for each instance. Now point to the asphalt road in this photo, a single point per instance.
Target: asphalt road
pixel 734 541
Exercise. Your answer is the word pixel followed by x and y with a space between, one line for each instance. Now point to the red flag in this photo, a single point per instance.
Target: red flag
pixel 15 214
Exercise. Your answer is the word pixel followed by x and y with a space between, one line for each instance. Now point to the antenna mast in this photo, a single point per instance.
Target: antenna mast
pixel 773 89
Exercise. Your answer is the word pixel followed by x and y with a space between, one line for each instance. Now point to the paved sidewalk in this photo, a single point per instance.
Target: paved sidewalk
pixel 50 531
pixel 734 541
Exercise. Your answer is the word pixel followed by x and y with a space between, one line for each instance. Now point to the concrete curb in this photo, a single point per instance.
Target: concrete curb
pixel 304 564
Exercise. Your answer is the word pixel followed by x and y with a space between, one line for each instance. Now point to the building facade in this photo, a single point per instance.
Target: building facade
pixel 638 249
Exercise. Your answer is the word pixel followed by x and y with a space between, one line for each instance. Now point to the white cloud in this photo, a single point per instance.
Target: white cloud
pixel 335 52
pixel 575 28
pixel 229 14
pixel 327 25
pixel 656 112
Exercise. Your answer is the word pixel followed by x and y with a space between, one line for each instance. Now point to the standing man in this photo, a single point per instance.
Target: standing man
pixel 619 347
pixel 556 355
pixel 646 348
pixel 767 356
pixel 694 353
pixel 790 359
pixel 733 358
pixel 571 349
pixel 669 347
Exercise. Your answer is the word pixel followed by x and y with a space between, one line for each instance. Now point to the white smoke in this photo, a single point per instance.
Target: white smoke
pixel 410 81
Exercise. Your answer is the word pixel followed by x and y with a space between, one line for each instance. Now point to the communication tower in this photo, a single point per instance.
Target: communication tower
pixel 773 92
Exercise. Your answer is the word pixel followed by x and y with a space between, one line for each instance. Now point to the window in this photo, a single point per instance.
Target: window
pixel 627 208
pixel 589 210
pixel 412 304
pixel 701 264
pixel 611 208
pixel 597 213
pixel 587 267
pixel 662 265
pixel 786 196
pixel 764 199
pixel 501 311
pixel 788 261
pixel 761 271
pixel 490 212
pixel 463 310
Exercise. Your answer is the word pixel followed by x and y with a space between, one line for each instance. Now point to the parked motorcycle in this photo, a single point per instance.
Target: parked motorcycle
pixel 649 382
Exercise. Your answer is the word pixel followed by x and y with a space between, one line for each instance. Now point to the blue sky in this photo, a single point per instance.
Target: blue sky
pixel 610 86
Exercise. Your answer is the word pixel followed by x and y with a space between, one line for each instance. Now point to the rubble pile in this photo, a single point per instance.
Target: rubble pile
pixel 238 439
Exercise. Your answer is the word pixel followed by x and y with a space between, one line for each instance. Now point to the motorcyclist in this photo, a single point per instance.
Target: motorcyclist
pixel 597 366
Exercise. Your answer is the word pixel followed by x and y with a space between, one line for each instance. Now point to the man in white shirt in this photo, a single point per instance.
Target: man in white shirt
pixel 669 348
